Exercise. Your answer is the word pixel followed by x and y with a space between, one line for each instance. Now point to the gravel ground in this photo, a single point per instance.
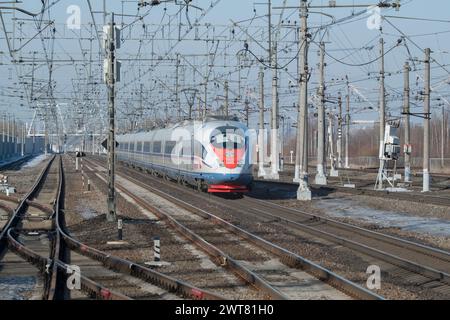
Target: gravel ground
pixel 283 195
pixel 24 178
pixel 375 203
pixel 334 257
pixel 301 285
pixel 86 221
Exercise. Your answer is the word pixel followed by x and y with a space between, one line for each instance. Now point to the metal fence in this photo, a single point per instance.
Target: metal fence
pixel 11 148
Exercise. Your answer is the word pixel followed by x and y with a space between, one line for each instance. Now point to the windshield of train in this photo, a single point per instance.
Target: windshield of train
pixel 228 138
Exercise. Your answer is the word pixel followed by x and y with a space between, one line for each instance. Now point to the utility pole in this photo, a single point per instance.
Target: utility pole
pixel 406 113
pixel 22 152
pixel 426 125
pixel 301 163
pixel 226 99
pixel 105 14
pixel 382 115
pixel 443 138
pixel 14 135
pixel 45 134
pixel 274 153
pixel 274 117
pixel 8 148
pixel 339 133
pixel 93 142
pixel 3 137
pixel 347 131
pixel 261 147
pixel 111 48
pixel 382 97
pixel 247 111
pixel 206 98
pixel 177 87
pixel 320 176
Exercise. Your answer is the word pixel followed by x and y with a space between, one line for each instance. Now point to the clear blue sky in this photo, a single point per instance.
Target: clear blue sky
pixel 342 42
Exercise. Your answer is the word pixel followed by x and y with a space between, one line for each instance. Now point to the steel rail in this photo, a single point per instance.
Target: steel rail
pixel 21 207
pixel 123 266
pixel 382 255
pixel 414 246
pixel 43 264
pixel 414 267
pixel 418 198
pixel 289 258
pixel 220 257
pixel 407 244
pixel 16 200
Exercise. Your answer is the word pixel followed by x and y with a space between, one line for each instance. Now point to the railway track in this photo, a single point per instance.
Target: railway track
pixel 416 172
pixel 33 224
pixel 439 182
pixel 418 264
pixel 365 188
pixel 289 259
pixel 39 238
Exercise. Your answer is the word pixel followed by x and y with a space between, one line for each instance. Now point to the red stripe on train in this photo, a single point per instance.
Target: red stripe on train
pixel 226 188
pixel 229 157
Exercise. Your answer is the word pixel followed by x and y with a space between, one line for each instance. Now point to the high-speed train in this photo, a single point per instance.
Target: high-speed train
pixel 212 155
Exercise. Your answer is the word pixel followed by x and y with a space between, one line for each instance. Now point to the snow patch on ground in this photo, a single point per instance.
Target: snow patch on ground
pixel 35 161
pixel 347 208
pixel 16 288
pixel 87 213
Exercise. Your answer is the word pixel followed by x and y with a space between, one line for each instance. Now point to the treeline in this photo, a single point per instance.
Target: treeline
pixel 364 141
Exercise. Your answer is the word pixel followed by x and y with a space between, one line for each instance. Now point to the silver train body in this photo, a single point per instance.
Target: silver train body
pixel 214 155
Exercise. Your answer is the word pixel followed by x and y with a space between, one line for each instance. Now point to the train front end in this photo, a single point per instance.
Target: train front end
pixel 228 157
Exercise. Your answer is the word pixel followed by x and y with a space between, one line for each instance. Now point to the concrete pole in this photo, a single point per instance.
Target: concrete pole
pixel 274 148
pixel 407 117
pixel 303 192
pixel 339 133
pixel 3 155
pixel 320 176
pixel 111 215
pixel 247 111
pixel 14 135
pixel 443 138
pixel 347 131
pixel 261 146
pixel 23 140
pixel 382 106
pixel 382 98
pixel 8 137
pixel 199 108
pixel 93 142
pixel 206 99
pixel 45 136
pixel 226 99
pixel 426 125
pixel 177 87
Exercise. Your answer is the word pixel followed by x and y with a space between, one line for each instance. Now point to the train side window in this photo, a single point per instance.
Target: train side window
pixel 157 147
pixel 126 146
pixel 147 147
pixel 139 147
pixel 169 146
pixel 132 146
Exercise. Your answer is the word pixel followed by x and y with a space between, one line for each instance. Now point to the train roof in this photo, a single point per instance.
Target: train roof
pixel 171 127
